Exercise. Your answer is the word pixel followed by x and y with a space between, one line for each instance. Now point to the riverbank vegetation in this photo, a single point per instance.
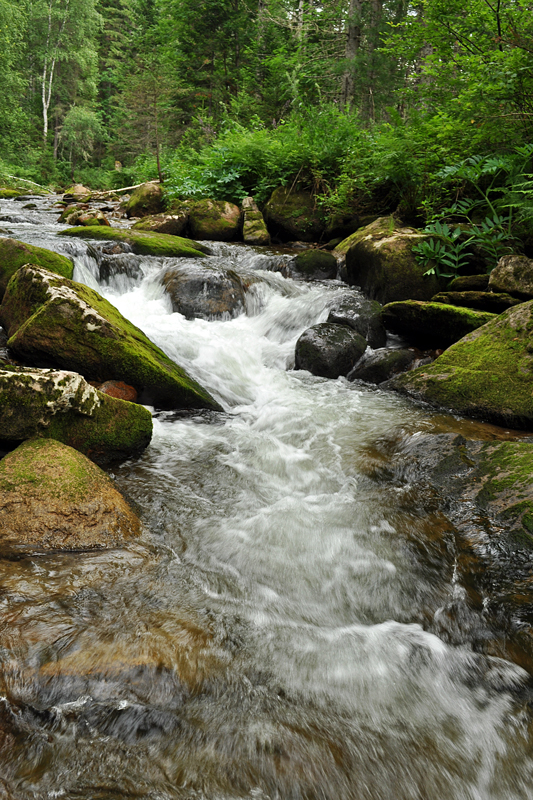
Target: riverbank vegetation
pixel 421 108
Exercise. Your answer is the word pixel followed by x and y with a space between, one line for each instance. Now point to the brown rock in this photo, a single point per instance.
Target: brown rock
pixel 120 390
pixel 53 498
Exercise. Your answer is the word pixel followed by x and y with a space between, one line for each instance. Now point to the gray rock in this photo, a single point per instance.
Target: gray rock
pixel 314 265
pixel 382 364
pixel 363 315
pixel 513 274
pixel 329 350
pixel 203 291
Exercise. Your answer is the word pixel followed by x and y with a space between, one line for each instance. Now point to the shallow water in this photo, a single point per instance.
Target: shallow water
pixel 273 633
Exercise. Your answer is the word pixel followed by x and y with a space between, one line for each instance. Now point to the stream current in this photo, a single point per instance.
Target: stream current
pixel 275 632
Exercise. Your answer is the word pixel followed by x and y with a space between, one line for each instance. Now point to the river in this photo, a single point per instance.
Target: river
pixel 276 631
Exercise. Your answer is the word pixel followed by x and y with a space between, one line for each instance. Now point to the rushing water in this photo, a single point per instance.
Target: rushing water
pixel 273 634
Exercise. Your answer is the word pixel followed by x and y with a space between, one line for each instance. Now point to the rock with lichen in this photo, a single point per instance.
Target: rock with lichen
pixel 52 498
pixel 59 404
pixel 513 274
pixel 52 321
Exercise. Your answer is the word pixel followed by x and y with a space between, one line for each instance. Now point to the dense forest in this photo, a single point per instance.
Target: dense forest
pixel 369 103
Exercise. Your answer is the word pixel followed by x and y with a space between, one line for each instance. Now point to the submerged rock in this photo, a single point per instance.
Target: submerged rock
pixel 55 322
pixel 203 291
pixel 254 229
pixel 380 259
pixel 293 215
pixel 329 350
pixel 432 324
pixel 363 315
pixel 61 405
pixel 145 200
pixel 53 498
pixel 514 275
pixel 142 243
pixel 14 254
pixel 488 374
pixel 314 265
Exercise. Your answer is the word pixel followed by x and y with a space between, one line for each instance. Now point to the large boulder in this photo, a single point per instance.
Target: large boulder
pixel 380 259
pixel 293 215
pixel 77 194
pixel 329 350
pixel 173 224
pixel 61 405
pixel 313 265
pixel 52 321
pixel 141 242
pixel 363 315
pixel 382 364
pixel 203 291
pixel 14 254
pixel 514 275
pixel 53 498
pixel 215 220
pixel 254 229
pixel 495 302
pixel 488 374
pixel 432 324
pixel 146 199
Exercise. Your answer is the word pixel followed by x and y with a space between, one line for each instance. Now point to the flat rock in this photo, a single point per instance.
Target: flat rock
pixel 53 498
pixel 173 224
pixel 61 405
pixel 141 242
pixel 494 302
pixel 329 350
pixel 432 324
pixel 52 321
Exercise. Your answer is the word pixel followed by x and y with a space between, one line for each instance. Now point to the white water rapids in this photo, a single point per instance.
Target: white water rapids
pixel 271 635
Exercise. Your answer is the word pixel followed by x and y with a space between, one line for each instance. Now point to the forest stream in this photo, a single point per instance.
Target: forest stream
pixel 278 630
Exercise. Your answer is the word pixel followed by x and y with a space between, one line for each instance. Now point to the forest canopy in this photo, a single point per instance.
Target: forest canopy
pixel 401 103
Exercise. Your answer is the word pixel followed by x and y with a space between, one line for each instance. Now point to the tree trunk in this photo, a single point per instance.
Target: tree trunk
pixel 376 11
pixel 353 41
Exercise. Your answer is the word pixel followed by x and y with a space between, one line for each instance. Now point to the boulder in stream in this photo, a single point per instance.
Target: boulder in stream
pixel 380 260
pixel 382 364
pixel 432 324
pixel 52 498
pixel 215 220
pixel 52 321
pixel 173 224
pixel 513 274
pixel 142 242
pixel 145 200
pixel 61 405
pixel 329 350
pixel 313 265
pixel 488 374
pixel 361 314
pixel 14 254
pixel 293 215
pixel 200 290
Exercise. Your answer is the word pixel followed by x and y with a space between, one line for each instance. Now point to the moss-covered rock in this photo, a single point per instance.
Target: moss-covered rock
pixel 488 374
pixel 314 265
pixel 88 218
pixel 293 215
pixel 53 498
pixel 494 302
pixel 363 315
pixel 172 224
pixel 61 405
pixel 9 194
pixel 470 283
pixel 215 220
pixel 77 194
pixel 329 350
pixel 254 229
pixel 383 364
pixel 142 243
pixel 71 211
pixel 203 291
pixel 146 199
pixel 513 274
pixel 432 324
pixel 14 254
pixel 380 260
pixel 55 322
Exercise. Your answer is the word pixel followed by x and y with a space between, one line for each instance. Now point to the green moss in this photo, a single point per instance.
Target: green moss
pixel 432 324
pixel 14 254
pixel 7 194
pixel 142 243
pixel 59 333
pixel 381 227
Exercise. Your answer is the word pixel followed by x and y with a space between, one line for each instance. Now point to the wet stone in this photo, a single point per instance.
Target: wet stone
pixel 329 350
